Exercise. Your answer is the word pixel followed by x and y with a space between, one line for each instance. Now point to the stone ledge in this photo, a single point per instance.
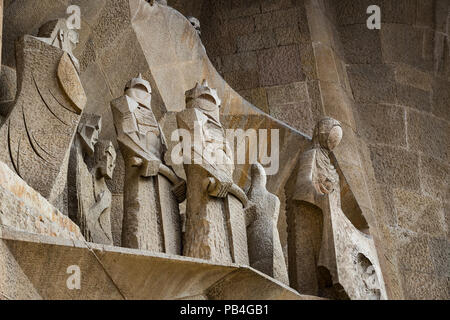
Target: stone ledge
pixel 35 266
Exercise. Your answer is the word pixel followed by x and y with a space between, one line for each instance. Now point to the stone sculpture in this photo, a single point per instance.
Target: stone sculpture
pixel 215 221
pixel 89 199
pixel 151 214
pixel 334 254
pixel 37 134
pixel 265 251
pixel 196 24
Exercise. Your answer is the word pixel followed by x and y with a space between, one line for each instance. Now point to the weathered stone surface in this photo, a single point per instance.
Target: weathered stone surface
pixel 372 83
pixel 429 135
pixel 384 124
pixel 361 45
pixel 420 214
pixel 280 65
pixel 387 171
pixel 24 209
pixel 413 98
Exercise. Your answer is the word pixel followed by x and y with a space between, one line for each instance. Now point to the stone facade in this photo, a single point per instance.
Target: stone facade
pixel 358 207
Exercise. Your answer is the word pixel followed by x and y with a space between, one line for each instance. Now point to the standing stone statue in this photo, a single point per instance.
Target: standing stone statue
pixel 151 214
pixel 38 132
pixel 215 220
pixel 90 163
pixel 331 256
pixel 265 251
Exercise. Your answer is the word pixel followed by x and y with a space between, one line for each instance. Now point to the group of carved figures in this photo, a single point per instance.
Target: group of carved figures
pixel 47 137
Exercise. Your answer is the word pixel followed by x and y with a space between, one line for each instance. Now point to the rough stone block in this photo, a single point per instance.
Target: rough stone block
pixel 276 19
pixel 384 124
pixel 280 65
pixel 410 76
pixel 240 26
pixel 290 93
pixel 396 167
pixel 287 35
pixel 361 45
pixel 242 80
pixel 413 98
pixel 372 83
pixel 440 254
pixel 429 135
pixel 297 115
pixel 240 62
pixel 404 44
pixel 424 286
pixel 420 214
pixel 441 99
pixel 256 41
pixel 257 97
pixel 434 177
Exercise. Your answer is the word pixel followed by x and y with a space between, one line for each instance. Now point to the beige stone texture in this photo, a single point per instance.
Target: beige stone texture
pixel 24 209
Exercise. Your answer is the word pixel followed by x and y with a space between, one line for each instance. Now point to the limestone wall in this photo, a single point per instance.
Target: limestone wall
pixel 400 81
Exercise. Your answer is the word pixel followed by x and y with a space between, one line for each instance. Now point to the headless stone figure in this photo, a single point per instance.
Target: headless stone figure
pixel 151 215
pixel 215 221
pixel 265 251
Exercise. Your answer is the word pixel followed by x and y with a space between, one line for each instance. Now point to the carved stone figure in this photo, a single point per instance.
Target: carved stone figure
pixel 215 221
pixel 89 198
pixel 37 134
pixel 265 251
pixel 331 263
pixel 196 24
pixel 151 214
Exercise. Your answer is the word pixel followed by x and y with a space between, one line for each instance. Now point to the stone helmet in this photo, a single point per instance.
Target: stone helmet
pixel 139 83
pixel 203 92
